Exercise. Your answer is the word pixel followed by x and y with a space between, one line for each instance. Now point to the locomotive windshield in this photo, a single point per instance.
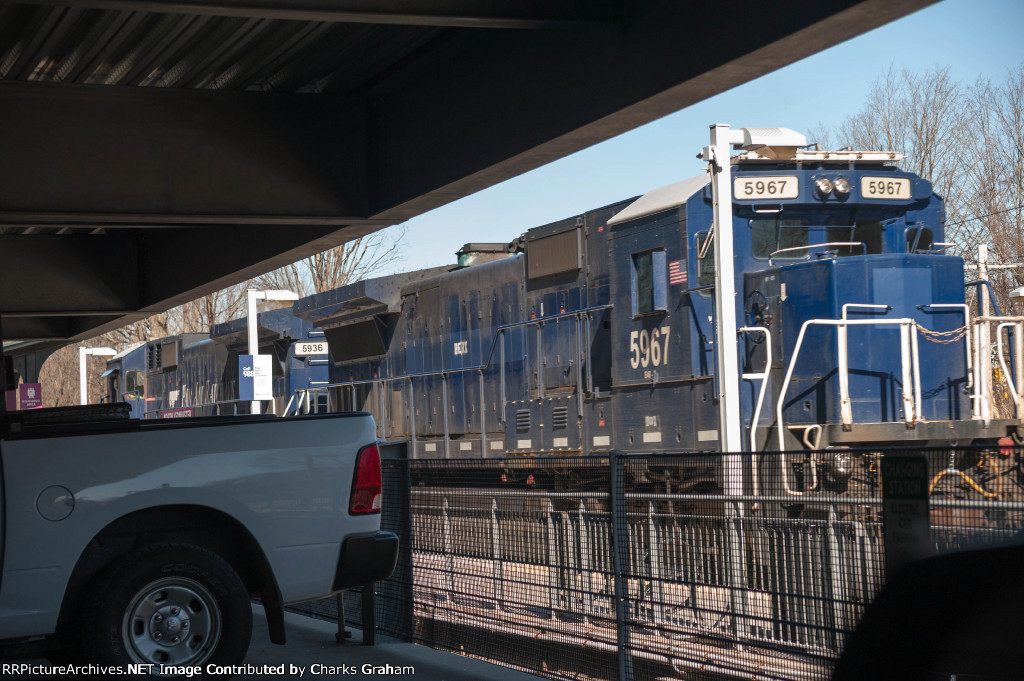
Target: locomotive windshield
pixel 783 238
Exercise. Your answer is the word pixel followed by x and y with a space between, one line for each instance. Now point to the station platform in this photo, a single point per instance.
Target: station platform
pixel 313 653
pixel 312 642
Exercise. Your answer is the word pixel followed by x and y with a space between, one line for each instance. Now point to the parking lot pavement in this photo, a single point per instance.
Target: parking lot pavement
pixel 312 653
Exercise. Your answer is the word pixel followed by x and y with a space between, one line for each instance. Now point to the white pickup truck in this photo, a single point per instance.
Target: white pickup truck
pixel 142 542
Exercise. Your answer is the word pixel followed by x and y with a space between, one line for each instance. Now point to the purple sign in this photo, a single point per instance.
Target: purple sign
pixel 30 395
pixel 183 412
pixel 12 400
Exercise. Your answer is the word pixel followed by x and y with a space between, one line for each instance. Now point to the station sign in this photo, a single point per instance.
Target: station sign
pixel 305 348
pixel 30 396
pixel 255 377
pixel 905 521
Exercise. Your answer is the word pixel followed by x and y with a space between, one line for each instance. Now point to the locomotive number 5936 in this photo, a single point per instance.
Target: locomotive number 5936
pixel 649 348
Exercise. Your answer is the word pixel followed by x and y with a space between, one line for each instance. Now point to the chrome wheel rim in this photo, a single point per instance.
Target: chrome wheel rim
pixel 173 621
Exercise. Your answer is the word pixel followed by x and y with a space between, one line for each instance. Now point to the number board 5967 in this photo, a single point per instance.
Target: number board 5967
pixel 761 187
pixel 885 187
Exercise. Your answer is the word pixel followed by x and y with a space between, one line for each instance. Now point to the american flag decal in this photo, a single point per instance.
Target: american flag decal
pixel 676 275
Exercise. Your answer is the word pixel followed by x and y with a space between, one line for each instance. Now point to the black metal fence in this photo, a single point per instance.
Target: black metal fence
pixel 660 566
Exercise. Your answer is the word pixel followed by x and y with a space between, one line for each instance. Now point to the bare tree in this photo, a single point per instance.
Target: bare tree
pixel 994 186
pixel 59 376
pixel 321 272
pixel 969 141
pixel 337 266
pixel 154 326
pixel 925 117
pixel 199 315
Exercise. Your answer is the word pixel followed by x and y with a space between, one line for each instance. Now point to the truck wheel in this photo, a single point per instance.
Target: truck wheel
pixel 168 604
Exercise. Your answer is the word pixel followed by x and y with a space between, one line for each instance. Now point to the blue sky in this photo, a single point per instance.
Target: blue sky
pixel 974 38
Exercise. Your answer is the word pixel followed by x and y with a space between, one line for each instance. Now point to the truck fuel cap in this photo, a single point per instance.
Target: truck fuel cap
pixel 55 503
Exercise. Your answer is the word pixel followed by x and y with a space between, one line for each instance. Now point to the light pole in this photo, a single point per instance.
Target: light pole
pixel 252 324
pixel 82 352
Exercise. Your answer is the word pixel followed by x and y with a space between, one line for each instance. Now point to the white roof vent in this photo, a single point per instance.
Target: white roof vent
pixel 754 138
pixel 771 143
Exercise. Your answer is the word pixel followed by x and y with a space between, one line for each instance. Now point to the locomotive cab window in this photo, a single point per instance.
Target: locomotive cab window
pixel 705 262
pixel 791 238
pixel 866 232
pixel 919 239
pixel 650 283
pixel 134 385
pixel 779 237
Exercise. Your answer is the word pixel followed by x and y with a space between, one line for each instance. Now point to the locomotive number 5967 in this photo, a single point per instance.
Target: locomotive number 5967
pixel 649 348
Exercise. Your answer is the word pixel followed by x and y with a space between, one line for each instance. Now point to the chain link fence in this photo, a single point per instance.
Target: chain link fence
pixel 658 566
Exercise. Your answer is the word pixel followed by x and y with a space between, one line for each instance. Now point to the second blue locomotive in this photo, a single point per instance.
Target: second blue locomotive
pixel 196 374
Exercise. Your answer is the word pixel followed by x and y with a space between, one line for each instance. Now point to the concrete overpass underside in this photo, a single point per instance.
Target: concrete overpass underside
pixel 153 152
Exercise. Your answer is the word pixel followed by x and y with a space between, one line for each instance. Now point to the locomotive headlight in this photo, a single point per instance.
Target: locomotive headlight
pixel 842 186
pixel 838 464
pixel 823 185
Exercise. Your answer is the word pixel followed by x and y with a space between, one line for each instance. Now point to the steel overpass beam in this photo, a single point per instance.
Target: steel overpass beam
pixel 145 156
pixel 511 14
pixel 516 101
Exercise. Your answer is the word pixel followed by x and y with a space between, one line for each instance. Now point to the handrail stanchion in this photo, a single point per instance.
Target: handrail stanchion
pixel 763 376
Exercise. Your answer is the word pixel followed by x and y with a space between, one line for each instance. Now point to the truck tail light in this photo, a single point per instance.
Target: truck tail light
pixel 366 485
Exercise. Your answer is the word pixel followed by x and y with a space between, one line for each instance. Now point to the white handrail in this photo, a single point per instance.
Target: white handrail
pixel 1018 351
pixel 967 329
pixel 907 356
pixel 763 376
pixel 845 407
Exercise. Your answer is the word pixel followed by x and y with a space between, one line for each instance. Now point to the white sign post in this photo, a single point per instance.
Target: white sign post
pixel 252 323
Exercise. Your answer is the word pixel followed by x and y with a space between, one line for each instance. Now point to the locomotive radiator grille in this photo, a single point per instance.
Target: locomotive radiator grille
pixel 560 417
pixel 522 419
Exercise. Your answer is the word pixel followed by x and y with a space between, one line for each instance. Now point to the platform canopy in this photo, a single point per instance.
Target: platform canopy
pixel 153 152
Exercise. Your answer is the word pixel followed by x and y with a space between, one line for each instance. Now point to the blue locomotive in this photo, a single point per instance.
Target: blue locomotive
pixel 597 332
pixel 194 374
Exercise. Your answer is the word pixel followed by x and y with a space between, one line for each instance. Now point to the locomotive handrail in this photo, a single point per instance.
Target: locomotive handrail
pixel 315 386
pixel 498 332
pixel 967 330
pixel 477 367
pixel 907 347
pixel 808 247
pixel 845 407
pixel 991 293
pixel 1018 347
pixel 763 376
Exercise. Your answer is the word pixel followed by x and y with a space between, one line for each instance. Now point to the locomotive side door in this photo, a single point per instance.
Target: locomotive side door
pixel 651 349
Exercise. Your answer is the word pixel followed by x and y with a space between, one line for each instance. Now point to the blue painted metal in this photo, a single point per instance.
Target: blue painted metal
pixel 635 372
pixel 205 369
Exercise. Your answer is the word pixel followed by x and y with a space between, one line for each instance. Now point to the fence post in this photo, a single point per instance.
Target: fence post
pixel 396 516
pixel 620 558
pixel 549 517
pixel 587 579
pixel 657 601
pixel 449 558
pixel 737 571
pixel 497 573
pixel 837 593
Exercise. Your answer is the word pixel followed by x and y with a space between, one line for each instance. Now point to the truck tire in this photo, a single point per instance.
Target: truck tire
pixel 170 604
